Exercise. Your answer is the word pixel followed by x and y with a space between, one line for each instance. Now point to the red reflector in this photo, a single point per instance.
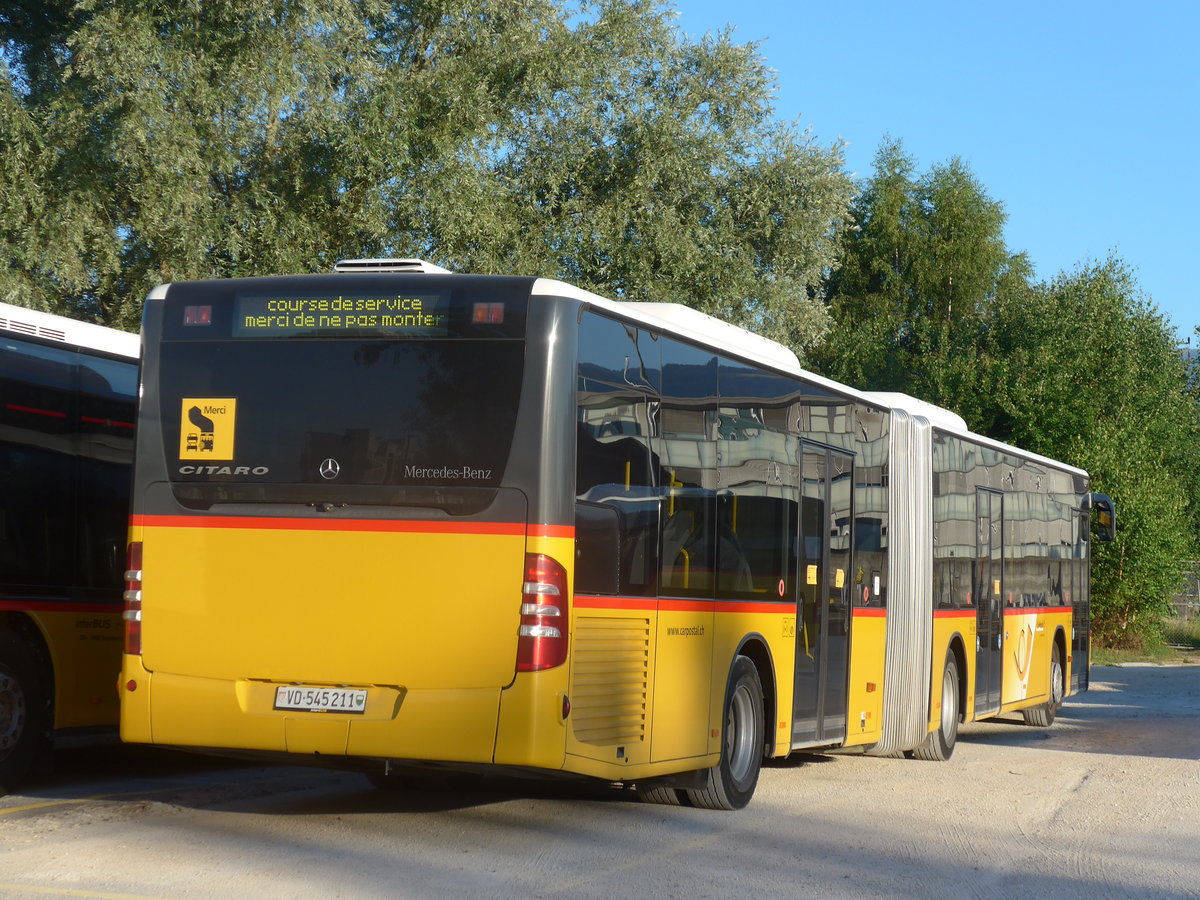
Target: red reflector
pixel 197 315
pixel 133 599
pixel 487 313
pixel 542 635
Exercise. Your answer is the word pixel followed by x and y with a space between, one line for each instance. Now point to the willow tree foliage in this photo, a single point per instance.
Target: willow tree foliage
pixel 588 140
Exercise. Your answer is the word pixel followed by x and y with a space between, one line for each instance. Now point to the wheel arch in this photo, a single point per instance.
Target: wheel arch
pixel 755 648
pixel 31 632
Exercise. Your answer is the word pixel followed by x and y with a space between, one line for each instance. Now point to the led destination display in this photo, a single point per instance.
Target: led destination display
pixel 412 315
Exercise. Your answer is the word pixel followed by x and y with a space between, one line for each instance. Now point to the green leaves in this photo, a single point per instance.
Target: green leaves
pixel 918 272
pixel 930 302
pixel 583 140
pixel 1087 370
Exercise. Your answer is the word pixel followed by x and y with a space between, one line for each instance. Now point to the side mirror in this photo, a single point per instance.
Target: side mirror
pixel 1105 516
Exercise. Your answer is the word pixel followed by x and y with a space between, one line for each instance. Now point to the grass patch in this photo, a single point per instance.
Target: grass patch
pixel 1185 635
pixel 1180 644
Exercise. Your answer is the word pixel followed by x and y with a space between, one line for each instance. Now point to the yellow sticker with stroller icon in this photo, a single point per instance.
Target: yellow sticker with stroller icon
pixel 206 427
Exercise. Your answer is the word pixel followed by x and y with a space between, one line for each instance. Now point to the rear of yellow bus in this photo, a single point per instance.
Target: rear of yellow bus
pixel 337 549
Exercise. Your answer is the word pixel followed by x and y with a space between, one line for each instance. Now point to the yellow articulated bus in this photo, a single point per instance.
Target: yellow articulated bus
pixel 425 523
pixel 68 393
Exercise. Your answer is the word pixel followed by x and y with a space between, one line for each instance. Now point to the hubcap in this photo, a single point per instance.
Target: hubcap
pixel 949 706
pixel 1056 682
pixel 739 733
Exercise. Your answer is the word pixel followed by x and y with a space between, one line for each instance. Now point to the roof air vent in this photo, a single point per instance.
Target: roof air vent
pixel 389 265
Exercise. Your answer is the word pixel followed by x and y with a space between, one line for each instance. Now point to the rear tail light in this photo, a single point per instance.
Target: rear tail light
pixel 133 600
pixel 542 640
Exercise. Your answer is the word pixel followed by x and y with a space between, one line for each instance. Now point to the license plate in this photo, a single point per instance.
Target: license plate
pixel 320 699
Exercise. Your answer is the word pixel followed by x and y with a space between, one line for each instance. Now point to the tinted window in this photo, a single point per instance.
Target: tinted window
pixel 387 412
pixel 107 407
pixel 617 470
pixel 690 535
pixel 67 424
pixel 37 464
pixel 757 474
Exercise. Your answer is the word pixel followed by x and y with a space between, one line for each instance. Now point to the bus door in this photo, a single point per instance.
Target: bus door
pixel 989 605
pixel 824 590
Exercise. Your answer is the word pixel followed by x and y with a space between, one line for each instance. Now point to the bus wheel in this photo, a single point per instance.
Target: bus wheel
pixel 1043 716
pixel 664 796
pixel 22 710
pixel 939 744
pixel 732 781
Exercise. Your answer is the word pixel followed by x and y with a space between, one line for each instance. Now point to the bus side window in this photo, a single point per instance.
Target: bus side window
pixel 617 503
pixel 38 461
pixel 597 548
pixel 107 407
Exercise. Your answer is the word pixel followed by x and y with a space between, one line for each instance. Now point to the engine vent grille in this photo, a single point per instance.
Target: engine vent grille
pixel 35 330
pixel 608 698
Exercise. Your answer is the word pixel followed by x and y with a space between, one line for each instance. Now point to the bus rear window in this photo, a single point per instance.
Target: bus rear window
pixel 340 412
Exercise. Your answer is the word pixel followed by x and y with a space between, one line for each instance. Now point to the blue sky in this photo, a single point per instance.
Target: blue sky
pixel 1083 119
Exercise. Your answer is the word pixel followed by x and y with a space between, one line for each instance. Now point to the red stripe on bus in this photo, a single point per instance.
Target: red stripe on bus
pixel 54 414
pixel 683 604
pixel 1035 610
pixel 271 523
pixel 676 604
pixel 869 612
pixel 954 613
pixel 551 531
pixel 62 606
pixel 111 422
pixel 755 606
pixel 639 604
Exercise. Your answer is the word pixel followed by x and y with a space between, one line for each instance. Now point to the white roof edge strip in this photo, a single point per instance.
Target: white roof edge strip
pixel 47 326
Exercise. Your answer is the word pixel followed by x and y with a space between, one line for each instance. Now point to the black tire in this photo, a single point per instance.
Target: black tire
pixel 732 781
pixel 1043 716
pixel 938 745
pixel 24 713
pixel 664 796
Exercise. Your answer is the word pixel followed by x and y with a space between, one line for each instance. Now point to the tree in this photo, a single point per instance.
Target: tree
pixel 665 177
pixel 1086 369
pixel 925 260
pixel 21 197
pixel 588 140
pixel 930 302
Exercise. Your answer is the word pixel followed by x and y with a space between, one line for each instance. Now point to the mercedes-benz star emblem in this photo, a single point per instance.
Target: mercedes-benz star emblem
pixel 330 469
